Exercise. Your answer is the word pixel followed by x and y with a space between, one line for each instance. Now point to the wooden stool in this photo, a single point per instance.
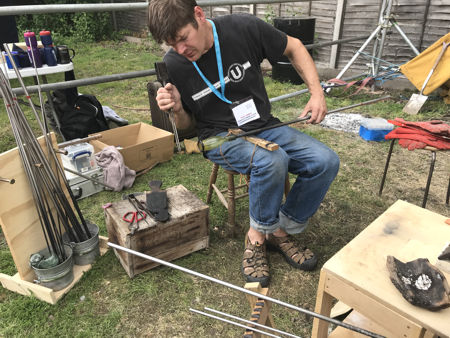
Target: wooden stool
pixel 228 200
pixel 430 173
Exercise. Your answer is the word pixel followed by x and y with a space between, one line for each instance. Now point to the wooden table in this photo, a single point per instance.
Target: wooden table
pixel 357 274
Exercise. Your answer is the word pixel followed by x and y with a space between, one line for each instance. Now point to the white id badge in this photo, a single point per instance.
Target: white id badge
pixel 245 111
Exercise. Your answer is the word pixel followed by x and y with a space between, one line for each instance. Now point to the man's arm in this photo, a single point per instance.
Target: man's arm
pixel 305 67
pixel 169 97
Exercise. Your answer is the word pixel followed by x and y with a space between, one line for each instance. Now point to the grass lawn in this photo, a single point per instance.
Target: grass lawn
pixel 106 302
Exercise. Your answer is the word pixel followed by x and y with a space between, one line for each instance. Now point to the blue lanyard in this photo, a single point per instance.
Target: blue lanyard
pixel 219 68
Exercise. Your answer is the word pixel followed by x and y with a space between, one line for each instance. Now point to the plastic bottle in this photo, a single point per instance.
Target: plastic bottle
pixel 49 51
pixel 32 49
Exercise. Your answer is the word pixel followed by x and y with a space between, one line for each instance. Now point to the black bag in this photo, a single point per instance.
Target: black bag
pixel 77 120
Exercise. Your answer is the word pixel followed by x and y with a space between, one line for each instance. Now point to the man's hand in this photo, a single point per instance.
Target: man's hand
pixel 168 97
pixel 317 107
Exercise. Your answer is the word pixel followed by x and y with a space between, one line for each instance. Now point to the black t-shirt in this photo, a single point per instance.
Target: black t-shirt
pixel 244 42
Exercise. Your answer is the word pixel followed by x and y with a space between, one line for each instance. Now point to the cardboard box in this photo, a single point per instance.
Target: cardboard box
pixel 140 144
pixel 186 231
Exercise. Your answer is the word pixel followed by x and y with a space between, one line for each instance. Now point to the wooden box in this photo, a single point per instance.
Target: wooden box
pixel 186 231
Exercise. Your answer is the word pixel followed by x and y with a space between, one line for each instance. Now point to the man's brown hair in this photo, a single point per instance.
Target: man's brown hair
pixel 167 17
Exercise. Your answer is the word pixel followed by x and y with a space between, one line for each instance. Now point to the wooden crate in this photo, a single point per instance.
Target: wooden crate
pixel 22 230
pixel 186 231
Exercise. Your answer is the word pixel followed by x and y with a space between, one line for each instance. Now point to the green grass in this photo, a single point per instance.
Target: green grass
pixel 105 302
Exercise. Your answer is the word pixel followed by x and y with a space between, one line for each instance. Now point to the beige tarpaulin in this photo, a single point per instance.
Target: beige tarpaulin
pixel 417 69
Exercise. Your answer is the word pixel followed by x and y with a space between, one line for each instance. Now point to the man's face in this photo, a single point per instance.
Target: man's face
pixel 193 42
pixel 190 42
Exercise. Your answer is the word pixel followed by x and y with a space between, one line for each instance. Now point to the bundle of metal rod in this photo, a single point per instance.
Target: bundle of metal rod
pixel 45 175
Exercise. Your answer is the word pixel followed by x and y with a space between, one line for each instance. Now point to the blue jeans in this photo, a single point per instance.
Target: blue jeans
pixel 315 165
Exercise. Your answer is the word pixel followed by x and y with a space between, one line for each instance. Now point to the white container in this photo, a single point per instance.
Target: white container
pixel 80 157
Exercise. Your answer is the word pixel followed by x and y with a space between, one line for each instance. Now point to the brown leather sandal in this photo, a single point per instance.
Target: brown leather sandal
pixel 255 267
pixel 303 259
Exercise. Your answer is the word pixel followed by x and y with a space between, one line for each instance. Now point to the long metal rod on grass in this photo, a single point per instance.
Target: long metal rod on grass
pixel 252 293
pixel 251 323
pixel 233 323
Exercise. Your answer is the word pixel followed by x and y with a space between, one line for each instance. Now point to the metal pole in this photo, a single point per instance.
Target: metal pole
pixel 107 7
pixel 408 41
pixel 233 323
pixel 365 44
pixel 286 96
pixel 136 74
pixel 10 181
pixel 86 82
pixel 385 25
pixel 250 322
pixel 252 293
pixel 89 178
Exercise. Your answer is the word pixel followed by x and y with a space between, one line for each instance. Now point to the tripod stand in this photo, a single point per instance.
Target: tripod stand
pixel 385 21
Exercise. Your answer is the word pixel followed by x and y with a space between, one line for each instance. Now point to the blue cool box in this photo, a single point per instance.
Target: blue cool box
pixel 373 134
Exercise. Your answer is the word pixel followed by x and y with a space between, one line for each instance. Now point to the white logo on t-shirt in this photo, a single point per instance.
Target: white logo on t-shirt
pixel 236 72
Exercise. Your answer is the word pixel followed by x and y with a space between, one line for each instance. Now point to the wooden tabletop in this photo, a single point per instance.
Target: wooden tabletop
pixel 406 232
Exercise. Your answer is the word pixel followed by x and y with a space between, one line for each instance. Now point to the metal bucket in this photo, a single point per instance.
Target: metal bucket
pixel 86 252
pixel 57 277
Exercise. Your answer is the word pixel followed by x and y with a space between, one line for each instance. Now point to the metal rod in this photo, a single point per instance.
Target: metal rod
pixel 407 40
pixel 252 293
pixel 233 323
pixel 251 132
pixel 336 42
pixel 89 178
pixel 79 140
pixel 132 6
pixel 86 82
pixel 324 85
pixel 10 181
pixel 355 56
pixel 252 323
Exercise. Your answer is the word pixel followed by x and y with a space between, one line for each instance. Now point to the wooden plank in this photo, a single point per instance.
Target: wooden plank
pixel 380 314
pixel 24 287
pixel 18 216
pixel 323 307
pixel 358 320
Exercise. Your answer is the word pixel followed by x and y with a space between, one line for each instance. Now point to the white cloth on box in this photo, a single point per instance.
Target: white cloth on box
pixel 115 173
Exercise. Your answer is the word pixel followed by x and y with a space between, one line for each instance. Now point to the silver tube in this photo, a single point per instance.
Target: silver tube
pixel 86 82
pixel 234 323
pixel 335 42
pixel 252 323
pixel 287 96
pixel 132 6
pixel 408 41
pixel 89 178
pixel 238 288
pixel 347 66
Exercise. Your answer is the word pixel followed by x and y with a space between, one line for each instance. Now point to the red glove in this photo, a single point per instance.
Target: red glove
pixel 436 127
pixel 411 144
pixel 408 133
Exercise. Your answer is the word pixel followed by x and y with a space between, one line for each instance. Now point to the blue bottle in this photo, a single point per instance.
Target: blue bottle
pixel 49 51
